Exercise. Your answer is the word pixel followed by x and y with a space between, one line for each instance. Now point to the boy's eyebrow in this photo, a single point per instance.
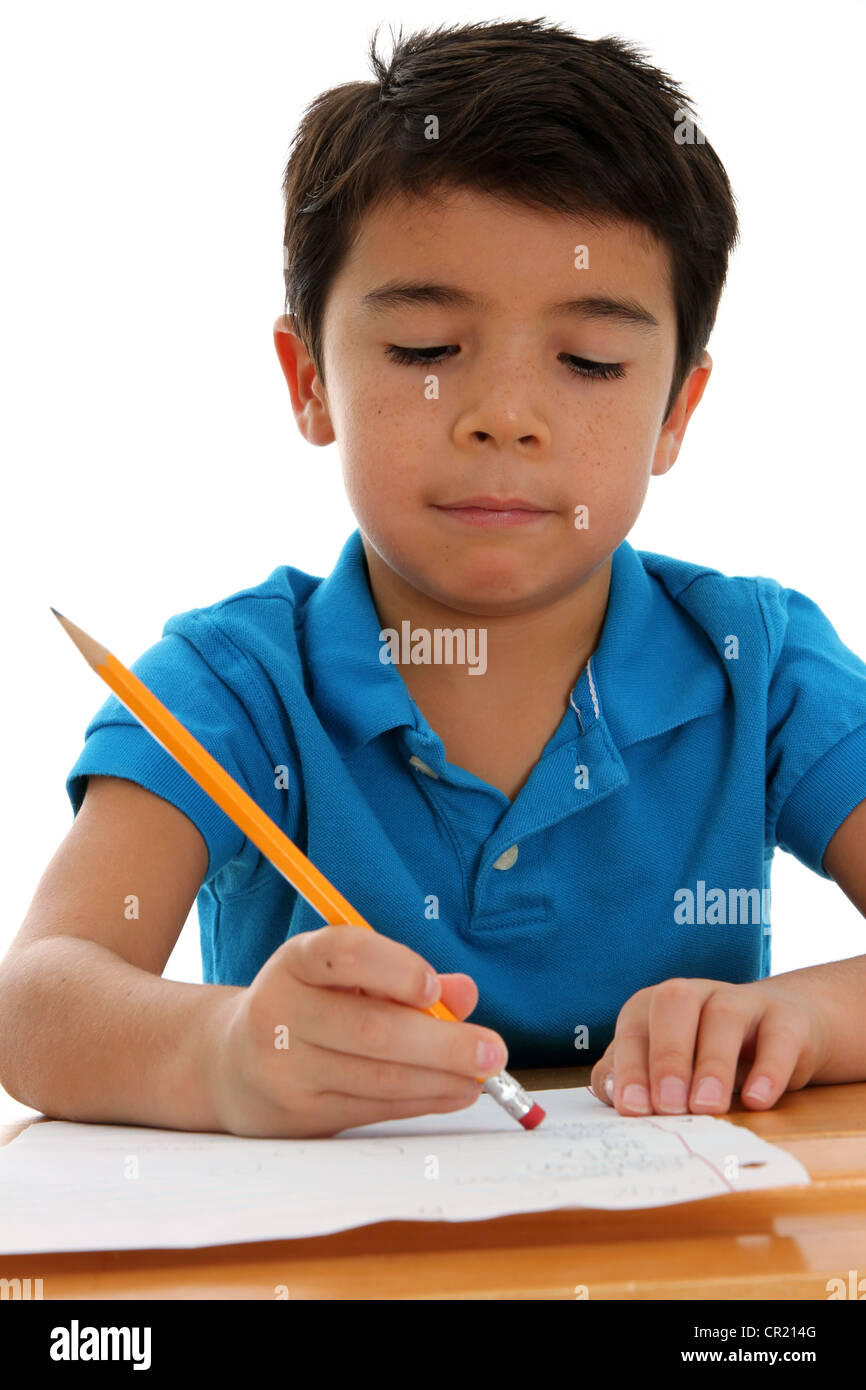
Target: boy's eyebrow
pixel 591 306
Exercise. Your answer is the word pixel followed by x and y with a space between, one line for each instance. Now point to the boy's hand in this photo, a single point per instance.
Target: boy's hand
pixel 356 1053
pixel 690 1043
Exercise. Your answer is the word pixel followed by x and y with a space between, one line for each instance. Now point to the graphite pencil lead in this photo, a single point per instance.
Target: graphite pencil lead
pixel 93 652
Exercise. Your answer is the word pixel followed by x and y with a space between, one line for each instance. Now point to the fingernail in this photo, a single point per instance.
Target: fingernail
pixel 608 1086
pixel 490 1057
pixel 709 1092
pixel 760 1089
pixel 636 1098
pixel 431 988
pixel 672 1094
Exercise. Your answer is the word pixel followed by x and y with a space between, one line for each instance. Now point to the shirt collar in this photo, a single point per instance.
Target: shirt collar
pixel 653 669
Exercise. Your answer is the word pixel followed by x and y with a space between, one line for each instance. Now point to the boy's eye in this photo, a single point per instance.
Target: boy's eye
pixel 602 371
pixel 580 366
pixel 408 356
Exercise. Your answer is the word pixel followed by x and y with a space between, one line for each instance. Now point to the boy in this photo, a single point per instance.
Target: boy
pixel 504 259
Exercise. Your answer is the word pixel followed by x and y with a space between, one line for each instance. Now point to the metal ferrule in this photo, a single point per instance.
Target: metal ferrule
pixel 509 1094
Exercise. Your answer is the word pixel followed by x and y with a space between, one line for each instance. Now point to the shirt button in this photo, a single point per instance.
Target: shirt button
pixel 506 859
pixel 422 767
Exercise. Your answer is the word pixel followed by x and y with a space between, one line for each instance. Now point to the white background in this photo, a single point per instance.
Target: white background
pixel 151 460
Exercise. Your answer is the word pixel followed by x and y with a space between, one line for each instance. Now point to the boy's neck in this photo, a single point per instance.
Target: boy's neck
pixel 544 650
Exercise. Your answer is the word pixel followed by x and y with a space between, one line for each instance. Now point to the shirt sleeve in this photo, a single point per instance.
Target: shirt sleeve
pixel 816 727
pixel 117 745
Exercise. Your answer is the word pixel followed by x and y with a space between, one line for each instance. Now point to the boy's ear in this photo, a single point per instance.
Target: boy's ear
pixel 309 401
pixel 674 427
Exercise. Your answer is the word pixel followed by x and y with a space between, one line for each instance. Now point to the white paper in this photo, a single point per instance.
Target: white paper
pixel 67 1186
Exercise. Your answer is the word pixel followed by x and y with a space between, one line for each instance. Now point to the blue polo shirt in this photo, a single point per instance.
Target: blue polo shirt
pixel 719 717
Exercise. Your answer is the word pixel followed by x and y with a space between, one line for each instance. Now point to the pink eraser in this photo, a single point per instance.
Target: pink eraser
pixel 534 1117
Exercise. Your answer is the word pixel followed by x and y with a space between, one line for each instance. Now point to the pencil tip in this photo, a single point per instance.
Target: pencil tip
pixel 92 651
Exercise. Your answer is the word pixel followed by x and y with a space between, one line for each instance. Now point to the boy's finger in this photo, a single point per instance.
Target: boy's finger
pixel 631 1075
pixel 673 1019
pixel 725 1018
pixel 354 957
pixel 377 1027
pixel 339 1073
pixel 777 1052
pixel 388 1031
pixel 459 993
pixel 631 1057
pixel 602 1075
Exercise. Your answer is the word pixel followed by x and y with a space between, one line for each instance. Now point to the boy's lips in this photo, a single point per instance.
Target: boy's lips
pixel 494 511
pixel 495 504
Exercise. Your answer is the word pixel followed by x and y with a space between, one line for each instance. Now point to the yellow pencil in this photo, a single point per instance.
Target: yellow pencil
pixel 285 856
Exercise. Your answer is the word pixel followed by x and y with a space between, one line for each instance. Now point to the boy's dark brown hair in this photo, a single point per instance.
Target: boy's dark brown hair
pixel 527 111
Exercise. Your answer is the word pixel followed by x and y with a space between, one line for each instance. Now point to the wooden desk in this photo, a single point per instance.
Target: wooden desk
pixel 785 1243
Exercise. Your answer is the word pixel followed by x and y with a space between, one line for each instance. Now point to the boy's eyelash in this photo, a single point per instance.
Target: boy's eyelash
pixel 580 366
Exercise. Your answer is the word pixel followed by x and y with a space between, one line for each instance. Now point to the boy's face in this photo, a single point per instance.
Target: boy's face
pixel 506 417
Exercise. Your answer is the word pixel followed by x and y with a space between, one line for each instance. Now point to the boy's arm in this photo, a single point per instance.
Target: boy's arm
pixel 843 982
pixel 88 1029
pixel 845 857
